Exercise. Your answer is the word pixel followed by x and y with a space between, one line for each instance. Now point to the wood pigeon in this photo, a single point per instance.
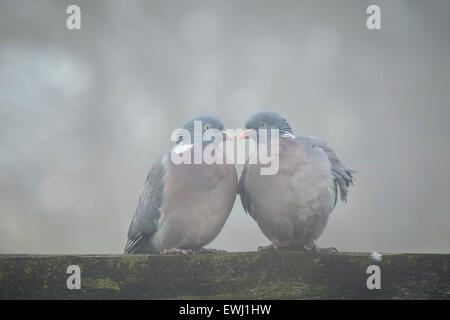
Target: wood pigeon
pixel 292 206
pixel 183 207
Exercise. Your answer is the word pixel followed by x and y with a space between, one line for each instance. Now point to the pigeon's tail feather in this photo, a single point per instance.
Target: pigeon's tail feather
pixel 133 245
pixel 343 179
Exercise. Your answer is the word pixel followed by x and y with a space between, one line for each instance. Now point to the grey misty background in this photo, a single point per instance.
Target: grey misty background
pixel 83 114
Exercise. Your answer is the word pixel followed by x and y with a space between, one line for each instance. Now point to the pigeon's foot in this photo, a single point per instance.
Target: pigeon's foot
pixel 314 247
pixel 177 251
pixel 204 250
pixel 272 246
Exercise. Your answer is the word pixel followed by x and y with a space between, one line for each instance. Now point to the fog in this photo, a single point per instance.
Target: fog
pixel 85 113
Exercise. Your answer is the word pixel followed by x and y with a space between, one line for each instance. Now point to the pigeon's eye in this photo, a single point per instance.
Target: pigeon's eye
pixel 262 124
pixel 207 127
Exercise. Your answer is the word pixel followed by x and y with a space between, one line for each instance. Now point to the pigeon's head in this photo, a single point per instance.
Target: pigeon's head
pixel 269 121
pixel 197 128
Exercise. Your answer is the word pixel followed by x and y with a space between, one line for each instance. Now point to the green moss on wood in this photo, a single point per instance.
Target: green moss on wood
pixel 243 275
pixel 101 284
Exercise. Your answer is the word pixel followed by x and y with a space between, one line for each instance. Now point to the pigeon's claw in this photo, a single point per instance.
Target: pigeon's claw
pixel 314 247
pixel 177 251
pixel 204 250
pixel 272 246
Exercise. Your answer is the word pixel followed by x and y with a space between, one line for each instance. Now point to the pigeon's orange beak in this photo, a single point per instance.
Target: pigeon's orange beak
pixel 245 134
pixel 227 136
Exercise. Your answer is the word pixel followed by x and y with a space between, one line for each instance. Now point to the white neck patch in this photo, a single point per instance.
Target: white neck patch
pixel 288 135
pixel 181 148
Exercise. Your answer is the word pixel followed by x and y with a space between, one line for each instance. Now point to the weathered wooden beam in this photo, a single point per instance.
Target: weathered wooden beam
pixel 243 275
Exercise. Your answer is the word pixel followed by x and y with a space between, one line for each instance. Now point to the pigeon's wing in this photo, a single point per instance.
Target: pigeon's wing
pixel 343 177
pixel 243 194
pixel 145 220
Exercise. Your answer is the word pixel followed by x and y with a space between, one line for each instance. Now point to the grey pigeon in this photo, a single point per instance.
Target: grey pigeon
pixel 292 206
pixel 183 207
